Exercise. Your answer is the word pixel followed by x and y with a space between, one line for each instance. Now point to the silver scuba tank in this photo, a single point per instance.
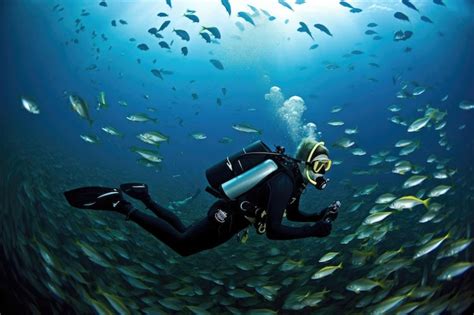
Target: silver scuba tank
pixel 242 183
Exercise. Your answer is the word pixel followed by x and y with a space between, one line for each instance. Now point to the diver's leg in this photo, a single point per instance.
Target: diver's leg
pixel 164 214
pixel 202 235
pixel 139 191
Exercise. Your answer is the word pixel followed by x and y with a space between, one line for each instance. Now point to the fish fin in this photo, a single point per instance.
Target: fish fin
pixel 426 202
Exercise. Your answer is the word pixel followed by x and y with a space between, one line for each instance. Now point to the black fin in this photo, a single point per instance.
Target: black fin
pixel 136 190
pixel 97 198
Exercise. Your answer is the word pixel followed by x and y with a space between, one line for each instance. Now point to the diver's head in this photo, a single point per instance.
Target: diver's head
pixel 316 161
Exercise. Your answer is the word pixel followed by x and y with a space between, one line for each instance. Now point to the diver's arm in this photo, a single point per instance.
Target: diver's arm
pixel 294 213
pixel 281 188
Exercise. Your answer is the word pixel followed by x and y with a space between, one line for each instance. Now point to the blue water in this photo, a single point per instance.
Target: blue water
pixel 37 63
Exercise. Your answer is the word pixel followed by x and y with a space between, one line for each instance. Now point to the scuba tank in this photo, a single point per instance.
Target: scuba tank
pixel 240 172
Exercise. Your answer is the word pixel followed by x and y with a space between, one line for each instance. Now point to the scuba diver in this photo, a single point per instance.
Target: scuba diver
pixel 256 186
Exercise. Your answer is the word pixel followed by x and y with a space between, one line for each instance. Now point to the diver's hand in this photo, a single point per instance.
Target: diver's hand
pixel 322 228
pixel 331 212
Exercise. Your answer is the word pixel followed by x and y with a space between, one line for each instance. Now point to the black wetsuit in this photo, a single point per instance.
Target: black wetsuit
pixel 275 195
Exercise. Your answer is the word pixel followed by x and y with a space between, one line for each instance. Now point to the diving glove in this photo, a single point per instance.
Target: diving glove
pixel 331 212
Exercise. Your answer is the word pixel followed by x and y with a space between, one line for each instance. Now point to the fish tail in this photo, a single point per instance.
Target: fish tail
pixel 340 265
pixel 426 202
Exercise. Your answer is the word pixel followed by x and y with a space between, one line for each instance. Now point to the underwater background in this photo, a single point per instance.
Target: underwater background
pixel 387 85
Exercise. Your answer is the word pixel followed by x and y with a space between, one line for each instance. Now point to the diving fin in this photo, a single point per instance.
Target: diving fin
pixel 97 198
pixel 136 190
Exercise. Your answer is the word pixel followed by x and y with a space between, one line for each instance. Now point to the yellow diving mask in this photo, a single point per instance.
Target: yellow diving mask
pixel 317 164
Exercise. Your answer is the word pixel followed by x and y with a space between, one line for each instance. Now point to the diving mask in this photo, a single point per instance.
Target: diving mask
pixel 318 165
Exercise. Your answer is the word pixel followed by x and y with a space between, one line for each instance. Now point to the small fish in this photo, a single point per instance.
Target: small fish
pixel 408 202
pixel 401 35
pixel 388 255
pixel 285 4
pixel 192 17
pixel 439 191
pixel 336 123
pixel 149 155
pixel 314 46
pixel 213 30
pixel 184 51
pixel 101 104
pixel 419 124
pixel 153 137
pixel 216 63
pixel 112 131
pixel 466 105
pixel 246 128
pixel 157 73
pixel 410 5
pixel 140 117
pixel 454 248
pixel 206 36
pixel 439 2
pixel 344 143
pixel 123 22
pixel 182 34
pixel 153 30
pixel 143 47
pixel 346 4
pixel 455 270
pixel 199 136
pixel 226 5
pixel 363 285
pixel 351 131
pixel 418 90
pixel 372 25
pixel 304 29
pixel 326 271
pixel 323 29
pixel 90 138
pixel 429 247
pixel 377 217
pixel 164 44
pixel 164 25
pixel 29 105
pixel 414 181
pixel 403 143
pixel 401 16
pixel 426 19
pixel 80 107
pixel 162 14
pixel 358 152
pixel 357 52
pixel 103 4
pixel 370 32
pixel 328 256
pixel 385 198
pixel 246 17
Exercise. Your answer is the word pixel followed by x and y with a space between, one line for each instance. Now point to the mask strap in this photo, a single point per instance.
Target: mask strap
pixel 312 151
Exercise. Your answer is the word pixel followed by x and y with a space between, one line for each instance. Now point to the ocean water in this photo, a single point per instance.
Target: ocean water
pixel 356 84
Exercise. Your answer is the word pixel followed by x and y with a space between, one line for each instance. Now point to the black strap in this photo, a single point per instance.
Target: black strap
pixel 214 192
